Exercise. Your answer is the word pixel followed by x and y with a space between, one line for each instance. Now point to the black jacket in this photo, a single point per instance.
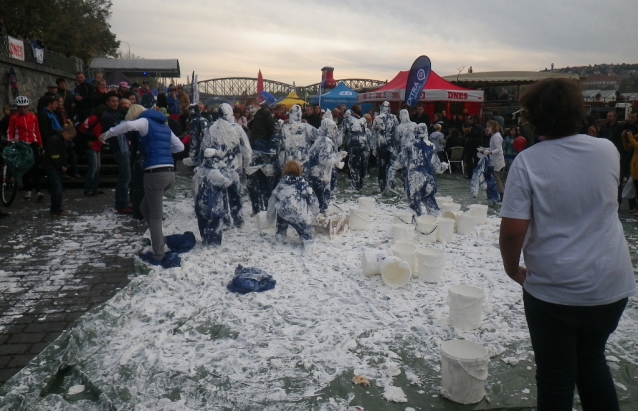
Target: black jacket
pixel 54 152
pixel 262 125
pixel 111 118
pixel 313 120
pixel 421 119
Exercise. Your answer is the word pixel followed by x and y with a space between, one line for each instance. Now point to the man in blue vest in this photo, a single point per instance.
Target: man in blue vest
pixel 158 143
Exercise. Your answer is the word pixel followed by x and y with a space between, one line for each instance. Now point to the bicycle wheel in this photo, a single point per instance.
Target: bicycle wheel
pixel 9 188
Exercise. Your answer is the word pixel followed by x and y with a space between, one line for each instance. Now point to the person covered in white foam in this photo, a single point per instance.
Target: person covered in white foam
pixel 297 136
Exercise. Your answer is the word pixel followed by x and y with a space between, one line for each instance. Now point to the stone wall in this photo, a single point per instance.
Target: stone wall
pixel 32 80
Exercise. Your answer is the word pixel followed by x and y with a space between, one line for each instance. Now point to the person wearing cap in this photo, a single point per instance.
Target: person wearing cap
pixel 122 89
pixel 147 99
pixel 52 90
pixel 157 142
pixel 172 102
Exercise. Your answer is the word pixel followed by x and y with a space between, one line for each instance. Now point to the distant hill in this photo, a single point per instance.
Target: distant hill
pixel 627 71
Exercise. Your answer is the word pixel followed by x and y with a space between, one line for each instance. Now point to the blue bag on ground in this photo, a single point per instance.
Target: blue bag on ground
pixel 19 159
pixel 249 279
pixel 180 243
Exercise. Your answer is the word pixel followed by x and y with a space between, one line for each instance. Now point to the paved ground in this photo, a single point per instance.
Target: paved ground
pixel 53 270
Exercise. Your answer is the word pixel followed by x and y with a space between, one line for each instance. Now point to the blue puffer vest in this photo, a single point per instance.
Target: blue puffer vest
pixel 156 145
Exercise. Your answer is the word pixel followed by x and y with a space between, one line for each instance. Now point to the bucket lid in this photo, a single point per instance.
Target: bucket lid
pixel 467 291
pixel 464 350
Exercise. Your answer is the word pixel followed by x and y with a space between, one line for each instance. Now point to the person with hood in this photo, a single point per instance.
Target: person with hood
pixel 157 142
pixel 223 154
pixel 337 140
pixel 294 203
pixel 402 129
pixel 322 159
pixel 198 124
pixel 420 162
pixel 355 130
pixel 262 127
pixel 297 136
pixel 383 134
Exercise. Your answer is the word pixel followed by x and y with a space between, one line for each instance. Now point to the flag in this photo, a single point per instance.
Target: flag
pixel 195 99
pixel 260 86
pixel 417 78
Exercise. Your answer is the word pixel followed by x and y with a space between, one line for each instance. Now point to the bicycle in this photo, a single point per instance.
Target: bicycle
pixel 12 172
pixel 9 188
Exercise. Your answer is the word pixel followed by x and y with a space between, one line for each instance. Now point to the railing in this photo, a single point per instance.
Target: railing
pixel 51 59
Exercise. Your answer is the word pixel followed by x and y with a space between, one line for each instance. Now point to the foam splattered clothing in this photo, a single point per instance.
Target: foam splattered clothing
pixel 198 125
pixel 224 153
pixel 482 177
pixel 405 130
pixel 298 136
pixel 322 159
pixel 383 134
pixel 337 139
pixel 293 203
pixel 357 148
pixel 420 162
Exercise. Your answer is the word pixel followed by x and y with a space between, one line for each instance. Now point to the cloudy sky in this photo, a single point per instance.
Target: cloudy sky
pixel 291 40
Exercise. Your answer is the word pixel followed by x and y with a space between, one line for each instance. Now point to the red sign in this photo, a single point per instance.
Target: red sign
pixel 457 95
pixel 16 48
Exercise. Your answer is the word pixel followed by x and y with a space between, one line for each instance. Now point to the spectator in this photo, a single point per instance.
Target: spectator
pixel 499 119
pixel 474 140
pixel 630 169
pixel 99 76
pixel 146 95
pixel 132 97
pixel 578 272
pixel 47 118
pixel 239 119
pixel 173 105
pixel 122 89
pixel 509 153
pixel 421 117
pixel 100 93
pixel 438 139
pixel 262 127
pixel 279 111
pixel 55 162
pixel 90 131
pixel 311 118
pixel 589 126
pixel 83 93
pixel 66 95
pixel 184 102
pixel 135 89
pixel 495 151
pixel 612 131
pixel 355 110
pixel 24 127
pixel 52 91
pixel 161 98
pixel 119 146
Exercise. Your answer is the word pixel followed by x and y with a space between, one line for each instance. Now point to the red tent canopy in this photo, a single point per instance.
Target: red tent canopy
pixel 455 99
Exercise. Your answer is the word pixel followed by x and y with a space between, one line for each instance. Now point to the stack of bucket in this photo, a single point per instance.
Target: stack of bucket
pixel 359 216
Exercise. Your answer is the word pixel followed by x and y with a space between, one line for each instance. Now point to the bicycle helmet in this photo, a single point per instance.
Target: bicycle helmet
pixel 22 101
pixel 12 106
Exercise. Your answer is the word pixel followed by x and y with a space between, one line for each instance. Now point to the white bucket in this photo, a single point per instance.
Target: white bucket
pixel 366 203
pixel 445 230
pixel 426 227
pixel 402 231
pixel 466 224
pixel 406 252
pixel 453 215
pixel 371 261
pixel 463 371
pixel 466 306
pixel 430 262
pixel 262 221
pixel 453 207
pixel 402 217
pixel 395 272
pixel 480 211
pixel 358 219
pixel 443 200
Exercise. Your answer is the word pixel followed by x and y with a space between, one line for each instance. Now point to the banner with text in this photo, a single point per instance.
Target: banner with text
pixel 16 48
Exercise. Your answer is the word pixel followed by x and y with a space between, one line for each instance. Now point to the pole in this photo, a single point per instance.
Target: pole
pixel 129 48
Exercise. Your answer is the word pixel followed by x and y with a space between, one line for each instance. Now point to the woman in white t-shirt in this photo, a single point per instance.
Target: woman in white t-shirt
pixel 560 209
pixel 497 160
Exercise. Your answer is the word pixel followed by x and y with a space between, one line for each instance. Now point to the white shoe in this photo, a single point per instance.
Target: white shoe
pixel 27 196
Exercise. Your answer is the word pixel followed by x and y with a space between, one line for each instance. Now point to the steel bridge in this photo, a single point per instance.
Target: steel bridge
pixel 243 87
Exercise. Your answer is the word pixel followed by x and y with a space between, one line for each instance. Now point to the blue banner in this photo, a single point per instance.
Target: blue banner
pixel 417 78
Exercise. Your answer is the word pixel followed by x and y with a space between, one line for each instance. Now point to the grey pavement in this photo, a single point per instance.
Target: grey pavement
pixel 54 269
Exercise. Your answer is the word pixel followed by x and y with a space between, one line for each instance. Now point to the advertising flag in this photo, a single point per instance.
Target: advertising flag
pixel 417 78
pixel 260 86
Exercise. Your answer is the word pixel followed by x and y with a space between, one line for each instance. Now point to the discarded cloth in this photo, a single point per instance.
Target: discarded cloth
pixel 170 260
pixel 249 279
pixel 180 243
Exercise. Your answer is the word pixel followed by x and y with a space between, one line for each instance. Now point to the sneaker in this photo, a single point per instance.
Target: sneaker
pixel 40 196
pixel 27 195
pixel 125 210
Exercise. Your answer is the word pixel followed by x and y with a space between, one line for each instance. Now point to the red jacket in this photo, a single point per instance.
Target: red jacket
pixel 25 128
pixel 93 127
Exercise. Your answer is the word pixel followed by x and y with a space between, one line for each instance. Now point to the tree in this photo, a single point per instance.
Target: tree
pixel 71 27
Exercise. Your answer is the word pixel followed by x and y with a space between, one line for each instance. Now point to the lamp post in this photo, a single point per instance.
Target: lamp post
pixel 129 48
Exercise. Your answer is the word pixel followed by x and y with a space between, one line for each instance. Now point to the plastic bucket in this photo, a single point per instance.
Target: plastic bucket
pixel 463 371
pixel 445 230
pixel 454 207
pixel 402 217
pixel 371 261
pixel 426 228
pixel 480 211
pixel 443 200
pixel 466 306
pixel 430 262
pixel 402 231
pixel 358 219
pixel 262 221
pixel 395 272
pixel 366 203
pixel 453 215
pixel 466 224
pixel 406 252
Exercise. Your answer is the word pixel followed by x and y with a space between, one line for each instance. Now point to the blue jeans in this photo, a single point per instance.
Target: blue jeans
pixel 304 230
pixel 569 349
pixel 55 187
pixel 92 177
pixel 123 179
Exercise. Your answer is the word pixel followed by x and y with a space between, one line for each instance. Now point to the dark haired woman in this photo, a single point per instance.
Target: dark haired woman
pixel 560 208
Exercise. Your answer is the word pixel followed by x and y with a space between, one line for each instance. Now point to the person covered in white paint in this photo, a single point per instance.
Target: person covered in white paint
pixel 383 130
pixel 224 153
pixel 420 162
pixel 322 159
pixel 355 130
pixel 293 203
pixel 337 139
pixel 297 136
pixel 402 133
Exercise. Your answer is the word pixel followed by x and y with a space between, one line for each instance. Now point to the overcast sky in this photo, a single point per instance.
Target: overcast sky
pixel 292 40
